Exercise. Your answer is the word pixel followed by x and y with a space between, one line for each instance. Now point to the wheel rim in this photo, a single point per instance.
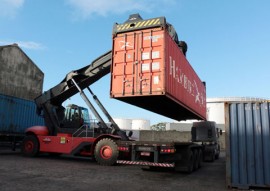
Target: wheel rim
pixel 29 146
pixel 106 152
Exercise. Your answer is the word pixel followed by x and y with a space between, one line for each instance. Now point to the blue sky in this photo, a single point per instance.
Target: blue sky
pixel 228 41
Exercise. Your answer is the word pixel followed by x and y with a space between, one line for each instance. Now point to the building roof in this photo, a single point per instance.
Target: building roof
pixel 235 99
pixel 15 45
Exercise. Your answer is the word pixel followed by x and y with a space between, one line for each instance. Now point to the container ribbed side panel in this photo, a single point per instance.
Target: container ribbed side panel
pixel 248 164
pixel 17 114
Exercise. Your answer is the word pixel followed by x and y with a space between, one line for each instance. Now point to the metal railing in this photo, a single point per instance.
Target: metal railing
pixel 86 129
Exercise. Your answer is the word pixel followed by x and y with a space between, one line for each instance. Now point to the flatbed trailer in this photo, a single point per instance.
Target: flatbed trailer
pixel 182 156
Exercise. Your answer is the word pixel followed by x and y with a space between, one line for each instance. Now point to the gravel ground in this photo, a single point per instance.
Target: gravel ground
pixel 66 173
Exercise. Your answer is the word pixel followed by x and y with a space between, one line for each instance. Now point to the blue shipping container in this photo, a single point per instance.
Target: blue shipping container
pixel 17 114
pixel 248 145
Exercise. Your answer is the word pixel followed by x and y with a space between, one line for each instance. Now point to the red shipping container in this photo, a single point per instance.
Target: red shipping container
pixel 150 71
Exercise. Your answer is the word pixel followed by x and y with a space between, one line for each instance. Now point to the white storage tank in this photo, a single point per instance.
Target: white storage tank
pixel 215 112
pixel 140 124
pixel 124 124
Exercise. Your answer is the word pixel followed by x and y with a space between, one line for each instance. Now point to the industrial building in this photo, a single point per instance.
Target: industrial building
pixel 19 75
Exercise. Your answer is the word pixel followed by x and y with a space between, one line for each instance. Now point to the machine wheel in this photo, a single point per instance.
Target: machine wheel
pixel 196 159
pixel 190 162
pixel 30 146
pixel 200 156
pixel 213 156
pixel 217 154
pixel 106 152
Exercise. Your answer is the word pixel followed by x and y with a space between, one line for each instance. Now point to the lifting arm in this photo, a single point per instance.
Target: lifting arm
pixel 50 102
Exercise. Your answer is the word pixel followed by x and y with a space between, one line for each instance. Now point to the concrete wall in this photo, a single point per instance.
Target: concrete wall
pixel 164 136
pixel 172 136
pixel 19 76
pixel 178 126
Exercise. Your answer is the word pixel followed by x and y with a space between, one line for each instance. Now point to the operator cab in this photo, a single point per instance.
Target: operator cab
pixel 75 117
pixel 77 122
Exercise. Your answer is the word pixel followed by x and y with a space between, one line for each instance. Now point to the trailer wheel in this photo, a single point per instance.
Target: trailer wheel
pixel 106 152
pixel 190 162
pixel 30 146
pixel 218 152
pixel 196 159
pixel 200 156
pixel 212 156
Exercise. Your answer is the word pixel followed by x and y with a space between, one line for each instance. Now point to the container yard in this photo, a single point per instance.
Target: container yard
pixel 206 143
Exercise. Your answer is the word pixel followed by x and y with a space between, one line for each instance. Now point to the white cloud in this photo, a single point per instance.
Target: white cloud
pixel 9 8
pixel 24 44
pixel 87 8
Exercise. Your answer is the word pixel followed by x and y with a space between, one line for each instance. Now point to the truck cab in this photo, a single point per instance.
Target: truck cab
pixel 207 134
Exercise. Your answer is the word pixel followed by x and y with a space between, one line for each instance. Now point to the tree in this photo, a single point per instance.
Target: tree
pixel 159 126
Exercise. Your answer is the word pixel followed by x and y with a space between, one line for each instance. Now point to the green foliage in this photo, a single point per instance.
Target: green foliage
pixel 159 126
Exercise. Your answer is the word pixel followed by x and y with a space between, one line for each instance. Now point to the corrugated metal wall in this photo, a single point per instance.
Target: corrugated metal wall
pixel 248 144
pixel 17 114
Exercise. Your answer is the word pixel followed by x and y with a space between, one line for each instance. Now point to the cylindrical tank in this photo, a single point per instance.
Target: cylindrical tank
pixel 215 112
pixel 124 124
pixel 140 124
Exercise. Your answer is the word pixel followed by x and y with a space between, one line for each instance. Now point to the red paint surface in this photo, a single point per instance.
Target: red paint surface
pixel 149 63
pixel 38 130
pixel 61 144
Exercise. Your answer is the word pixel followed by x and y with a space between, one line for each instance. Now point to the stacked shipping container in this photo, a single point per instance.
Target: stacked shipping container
pixel 16 115
pixel 247 144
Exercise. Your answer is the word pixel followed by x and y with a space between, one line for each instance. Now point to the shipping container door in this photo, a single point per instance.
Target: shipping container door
pixel 248 145
pixel 123 64
pixel 138 63
pixel 150 73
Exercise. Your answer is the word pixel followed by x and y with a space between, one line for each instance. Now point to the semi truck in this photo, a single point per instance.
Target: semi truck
pixel 148 69
pixel 207 134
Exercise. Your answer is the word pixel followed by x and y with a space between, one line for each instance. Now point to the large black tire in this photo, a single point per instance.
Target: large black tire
pixel 190 167
pixel 217 154
pixel 30 146
pixel 200 156
pixel 212 156
pixel 196 159
pixel 106 152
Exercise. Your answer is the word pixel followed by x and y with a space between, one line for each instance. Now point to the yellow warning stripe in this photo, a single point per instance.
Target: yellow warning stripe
pixel 157 21
pixel 138 24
